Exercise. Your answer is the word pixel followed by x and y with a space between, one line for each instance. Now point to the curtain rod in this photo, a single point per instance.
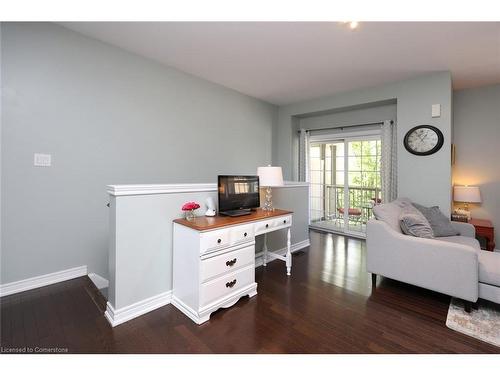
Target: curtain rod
pixel 346 126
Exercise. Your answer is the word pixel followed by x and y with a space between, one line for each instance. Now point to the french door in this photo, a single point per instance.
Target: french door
pixel 345 181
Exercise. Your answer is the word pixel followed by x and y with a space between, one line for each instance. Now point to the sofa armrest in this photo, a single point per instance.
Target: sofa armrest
pixel 445 267
pixel 465 229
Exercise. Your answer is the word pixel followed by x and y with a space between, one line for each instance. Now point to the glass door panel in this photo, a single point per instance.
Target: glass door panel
pixel 363 182
pixel 324 173
pixel 344 178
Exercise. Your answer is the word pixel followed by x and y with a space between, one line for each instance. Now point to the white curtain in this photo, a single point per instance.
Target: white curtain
pixel 304 155
pixel 389 162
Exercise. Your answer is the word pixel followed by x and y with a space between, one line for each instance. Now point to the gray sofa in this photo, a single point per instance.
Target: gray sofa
pixel 454 265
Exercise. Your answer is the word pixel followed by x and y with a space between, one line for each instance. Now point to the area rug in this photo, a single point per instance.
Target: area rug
pixel 482 324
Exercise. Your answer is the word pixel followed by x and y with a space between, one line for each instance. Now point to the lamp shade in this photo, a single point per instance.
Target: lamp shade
pixel 270 176
pixel 466 194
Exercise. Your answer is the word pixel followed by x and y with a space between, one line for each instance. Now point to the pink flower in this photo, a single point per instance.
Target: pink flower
pixel 190 206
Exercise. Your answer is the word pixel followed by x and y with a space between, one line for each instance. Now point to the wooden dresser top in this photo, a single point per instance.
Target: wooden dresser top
pixel 202 223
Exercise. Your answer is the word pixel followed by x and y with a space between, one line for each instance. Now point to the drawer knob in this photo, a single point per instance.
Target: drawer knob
pixel 245 234
pixel 284 221
pixel 267 225
pixel 231 263
pixel 219 240
pixel 231 284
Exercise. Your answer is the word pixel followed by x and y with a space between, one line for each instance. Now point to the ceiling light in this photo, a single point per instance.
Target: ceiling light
pixel 351 24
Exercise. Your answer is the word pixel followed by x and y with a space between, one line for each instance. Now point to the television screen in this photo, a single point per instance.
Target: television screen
pixel 238 192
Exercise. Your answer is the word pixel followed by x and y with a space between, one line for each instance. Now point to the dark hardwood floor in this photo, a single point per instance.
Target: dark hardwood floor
pixel 326 306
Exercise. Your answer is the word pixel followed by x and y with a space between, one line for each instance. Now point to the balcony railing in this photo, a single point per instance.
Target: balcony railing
pixel 361 201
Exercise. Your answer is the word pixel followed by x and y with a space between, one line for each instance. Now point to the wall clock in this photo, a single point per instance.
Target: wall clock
pixel 423 140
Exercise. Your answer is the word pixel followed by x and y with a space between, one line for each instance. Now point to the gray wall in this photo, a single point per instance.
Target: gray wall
pixel 107 117
pixel 141 239
pixel 348 117
pixel 425 179
pixel 291 198
pixel 476 118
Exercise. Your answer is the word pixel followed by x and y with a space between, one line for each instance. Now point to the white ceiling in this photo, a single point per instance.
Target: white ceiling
pixel 289 62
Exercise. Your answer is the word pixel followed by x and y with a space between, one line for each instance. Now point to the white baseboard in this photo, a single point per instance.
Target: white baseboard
pixel 43 280
pixel 99 281
pixel 293 248
pixel 124 314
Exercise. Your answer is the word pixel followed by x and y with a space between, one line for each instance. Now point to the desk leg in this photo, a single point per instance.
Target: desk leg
pixel 288 254
pixel 264 251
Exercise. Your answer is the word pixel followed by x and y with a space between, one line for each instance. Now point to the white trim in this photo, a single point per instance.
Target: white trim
pixel 186 310
pixel 291 184
pixel 124 190
pixel 120 190
pixel 99 281
pixel 43 280
pixel 352 135
pixel 124 314
pixel 295 247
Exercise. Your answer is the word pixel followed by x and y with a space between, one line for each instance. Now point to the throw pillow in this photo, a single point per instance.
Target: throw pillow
pixel 415 224
pixel 441 225
pixel 390 212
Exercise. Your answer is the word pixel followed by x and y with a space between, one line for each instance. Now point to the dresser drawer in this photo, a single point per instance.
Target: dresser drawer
pixel 271 224
pixel 264 226
pixel 213 290
pixel 241 233
pixel 214 240
pixel 284 222
pixel 227 262
pixel 220 239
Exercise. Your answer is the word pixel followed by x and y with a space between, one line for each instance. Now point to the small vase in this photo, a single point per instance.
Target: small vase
pixel 190 215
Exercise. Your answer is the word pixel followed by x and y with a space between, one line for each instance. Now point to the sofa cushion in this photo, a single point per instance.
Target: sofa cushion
pixel 413 223
pixel 441 225
pixel 390 212
pixel 489 267
pixel 461 240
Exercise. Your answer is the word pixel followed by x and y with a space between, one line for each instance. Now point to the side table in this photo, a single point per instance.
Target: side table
pixel 484 228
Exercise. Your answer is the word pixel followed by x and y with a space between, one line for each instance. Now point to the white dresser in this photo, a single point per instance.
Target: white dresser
pixel 214 259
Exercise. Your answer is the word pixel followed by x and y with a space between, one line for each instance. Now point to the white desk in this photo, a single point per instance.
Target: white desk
pixel 214 259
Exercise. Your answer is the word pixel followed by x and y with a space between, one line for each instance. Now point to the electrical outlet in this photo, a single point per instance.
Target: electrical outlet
pixel 42 160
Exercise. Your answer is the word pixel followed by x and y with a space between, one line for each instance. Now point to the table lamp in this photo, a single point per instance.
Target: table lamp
pixel 269 177
pixel 466 194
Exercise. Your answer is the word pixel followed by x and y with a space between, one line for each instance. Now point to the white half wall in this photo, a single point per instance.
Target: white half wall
pixel 140 248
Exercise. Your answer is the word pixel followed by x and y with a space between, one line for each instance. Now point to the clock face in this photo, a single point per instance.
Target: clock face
pixel 423 140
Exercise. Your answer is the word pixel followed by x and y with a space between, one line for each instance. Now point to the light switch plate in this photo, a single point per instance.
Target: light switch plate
pixel 42 160
pixel 436 110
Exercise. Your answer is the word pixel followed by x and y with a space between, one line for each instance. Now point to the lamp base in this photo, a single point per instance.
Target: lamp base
pixel 268 203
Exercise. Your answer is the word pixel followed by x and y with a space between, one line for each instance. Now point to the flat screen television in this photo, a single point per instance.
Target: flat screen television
pixel 238 194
